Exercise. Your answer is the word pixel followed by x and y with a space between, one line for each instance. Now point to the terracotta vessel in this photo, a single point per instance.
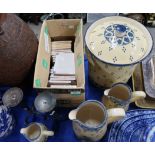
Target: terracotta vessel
pixel 18 48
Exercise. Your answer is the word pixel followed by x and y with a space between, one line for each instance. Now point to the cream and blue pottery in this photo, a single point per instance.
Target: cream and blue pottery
pixel 121 95
pixel 91 118
pixel 7 122
pixel 123 130
pixel 36 132
pixel 114 45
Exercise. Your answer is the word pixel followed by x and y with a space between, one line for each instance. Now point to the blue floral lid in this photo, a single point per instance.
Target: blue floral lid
pixel 118 40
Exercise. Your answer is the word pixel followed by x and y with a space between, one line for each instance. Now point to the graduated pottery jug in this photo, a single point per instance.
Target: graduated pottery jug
pixel 36 132
pixel 114 45
pixel 120 95
pixel 91 118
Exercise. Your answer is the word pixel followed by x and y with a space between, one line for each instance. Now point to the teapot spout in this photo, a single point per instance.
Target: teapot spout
pixel 72 114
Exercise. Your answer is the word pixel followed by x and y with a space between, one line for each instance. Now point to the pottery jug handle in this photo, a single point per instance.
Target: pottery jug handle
pixel 48 133
pixel 72 114
pixel 136 95
pixel 115 114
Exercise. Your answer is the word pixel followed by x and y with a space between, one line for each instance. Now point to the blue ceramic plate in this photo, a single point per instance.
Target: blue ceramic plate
pixel 130 125
pixel 125 136
pixel 137 134
pixel 116 127
pixel 149 134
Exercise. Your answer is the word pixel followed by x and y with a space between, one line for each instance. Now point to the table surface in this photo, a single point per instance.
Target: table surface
pixel 62 128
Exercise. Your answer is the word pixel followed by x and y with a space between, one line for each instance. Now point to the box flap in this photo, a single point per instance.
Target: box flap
pixel 79 55
pixel 43 58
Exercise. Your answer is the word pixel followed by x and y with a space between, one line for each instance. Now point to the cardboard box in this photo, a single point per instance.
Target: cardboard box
pixel 54 30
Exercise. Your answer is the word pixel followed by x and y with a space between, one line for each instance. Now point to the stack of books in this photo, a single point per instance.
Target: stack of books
pixel 60 47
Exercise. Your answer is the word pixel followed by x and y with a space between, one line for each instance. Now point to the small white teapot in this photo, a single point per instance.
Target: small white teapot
pixel 36 132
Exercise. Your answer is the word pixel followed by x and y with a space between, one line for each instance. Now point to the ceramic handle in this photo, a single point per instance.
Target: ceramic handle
pixel 72 114
pixel 136 95
pixel 115 114
pixel 48 133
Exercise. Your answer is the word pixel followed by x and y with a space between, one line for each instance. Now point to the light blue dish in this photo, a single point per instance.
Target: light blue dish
pixel 130 115
pixel 137 134
pixel 140 120
pixel 140 132
pixel 149 134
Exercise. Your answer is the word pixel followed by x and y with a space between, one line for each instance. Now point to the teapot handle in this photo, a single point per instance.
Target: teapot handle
pixel 115 114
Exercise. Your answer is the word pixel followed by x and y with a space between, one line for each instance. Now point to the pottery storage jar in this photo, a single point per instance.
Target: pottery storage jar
pixel 114 45
pixel 18 49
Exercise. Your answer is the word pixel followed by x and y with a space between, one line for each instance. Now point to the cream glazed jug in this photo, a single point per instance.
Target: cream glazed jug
pixel 120 95
pixel 114 45
pixel 36 132
pixel 91 118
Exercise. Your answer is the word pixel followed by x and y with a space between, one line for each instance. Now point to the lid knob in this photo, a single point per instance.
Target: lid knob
pixel 120 30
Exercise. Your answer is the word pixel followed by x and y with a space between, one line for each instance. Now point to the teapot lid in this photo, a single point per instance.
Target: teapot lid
pixel 118 40
pixel 45 102
pixel 12 97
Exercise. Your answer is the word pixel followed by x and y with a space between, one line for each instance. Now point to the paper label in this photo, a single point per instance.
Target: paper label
pixel 37 83
pixel 45 63
pixel 46 39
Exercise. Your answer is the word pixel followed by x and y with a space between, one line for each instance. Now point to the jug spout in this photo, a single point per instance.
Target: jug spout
pixel 23 131
pixel 72 114
pixel 106 92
